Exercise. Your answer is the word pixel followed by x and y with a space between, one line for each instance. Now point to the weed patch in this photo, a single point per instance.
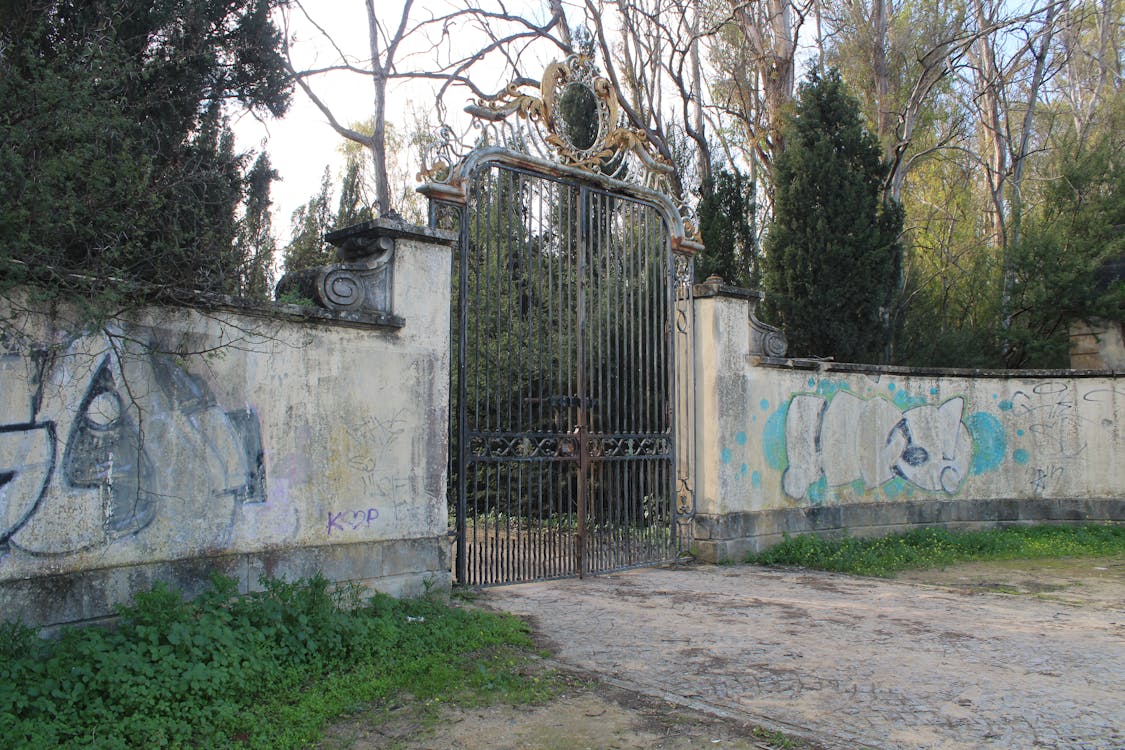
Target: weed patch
pixel 927 548
pixel 261 671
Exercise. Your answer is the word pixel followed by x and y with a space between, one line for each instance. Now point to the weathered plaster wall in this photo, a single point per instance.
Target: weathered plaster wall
pixel 296 444
pixel 803 446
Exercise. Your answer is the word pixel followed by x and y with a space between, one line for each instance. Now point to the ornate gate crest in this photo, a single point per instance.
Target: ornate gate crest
pixel 571 118
pixel 579 111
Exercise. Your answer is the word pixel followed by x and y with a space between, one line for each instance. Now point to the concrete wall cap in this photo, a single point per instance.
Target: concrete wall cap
pixel 828 365
pixel 716 287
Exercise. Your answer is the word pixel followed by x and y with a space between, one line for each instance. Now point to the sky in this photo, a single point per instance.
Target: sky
pixel 302 143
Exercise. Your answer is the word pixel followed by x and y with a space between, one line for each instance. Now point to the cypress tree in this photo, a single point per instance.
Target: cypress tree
pixel 307 248
pixel 832 253
pixel 726 224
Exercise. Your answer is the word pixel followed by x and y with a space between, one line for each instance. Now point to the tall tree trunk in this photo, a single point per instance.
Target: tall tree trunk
pixel 1019 157
pixel 779 74
pixel 884 122
pixel 703 152
pixel 995 148
pixel 768 33
pixel 379 103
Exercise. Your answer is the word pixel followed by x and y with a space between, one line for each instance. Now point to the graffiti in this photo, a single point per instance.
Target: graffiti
pixel 1040 478
pixel 377 438
pixel 353 520
pixel 376 434
pixel 112 440
pixel 27 462
pixel 828 441
pixel 385 486
pixel 1049 416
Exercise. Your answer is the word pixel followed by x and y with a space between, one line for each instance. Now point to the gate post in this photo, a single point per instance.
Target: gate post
pixel 392 270
pixel 728 335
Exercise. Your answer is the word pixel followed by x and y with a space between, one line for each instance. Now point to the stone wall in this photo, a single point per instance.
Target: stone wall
pixel 183 442
pixel 800 445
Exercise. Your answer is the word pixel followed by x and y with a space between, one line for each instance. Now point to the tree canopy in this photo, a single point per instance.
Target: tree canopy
pixel 117 161
pixel 995 123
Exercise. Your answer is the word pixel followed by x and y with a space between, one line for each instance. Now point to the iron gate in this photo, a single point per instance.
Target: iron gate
pixel 563 428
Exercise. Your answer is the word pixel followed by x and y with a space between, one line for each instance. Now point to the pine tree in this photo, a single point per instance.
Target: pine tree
pixel 832 253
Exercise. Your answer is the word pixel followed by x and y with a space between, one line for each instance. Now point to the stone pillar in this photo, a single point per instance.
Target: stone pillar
pixel 728 340
pixel 364 282
pixel 1097 345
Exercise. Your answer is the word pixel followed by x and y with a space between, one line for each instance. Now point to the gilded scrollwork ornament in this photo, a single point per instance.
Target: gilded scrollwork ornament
pixel 571 117
pixel 577 115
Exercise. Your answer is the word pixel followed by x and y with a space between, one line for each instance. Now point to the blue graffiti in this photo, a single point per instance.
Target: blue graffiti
pixel 990 443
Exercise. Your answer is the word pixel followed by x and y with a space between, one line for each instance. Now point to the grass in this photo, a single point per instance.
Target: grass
pixel 934 547
pixel 263 671
pixel 778 740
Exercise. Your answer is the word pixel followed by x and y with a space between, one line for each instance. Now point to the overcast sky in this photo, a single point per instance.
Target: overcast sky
pixel 302 143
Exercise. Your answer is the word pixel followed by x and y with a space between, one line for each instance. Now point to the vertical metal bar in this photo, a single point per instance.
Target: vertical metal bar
pixel 564 544
pixel 612 288
pixel 598 290
pixel 664 413
pixel 580 326
pixel 538 306
pixel 621 399
pixel 498 423
pixel 607 289
pixel 654 336
pixel 601 527
pixel 552 376
pixel 480 183
pixel 534 385
pixel 572 289
pixel 636 339
pixel 623 366
pixel 462 390
pixel 563 385
pixel 493 403
pixel 512 375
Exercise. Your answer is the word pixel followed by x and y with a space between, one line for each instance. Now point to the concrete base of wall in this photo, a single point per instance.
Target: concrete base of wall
pixel 731 537
pixel 422 565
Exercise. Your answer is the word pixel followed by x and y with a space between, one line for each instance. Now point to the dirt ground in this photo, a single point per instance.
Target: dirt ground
pixel 589 715
pixel 592 712
pixel 1098 582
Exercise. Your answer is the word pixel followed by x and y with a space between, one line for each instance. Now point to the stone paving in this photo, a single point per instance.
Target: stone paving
pixel 843 661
